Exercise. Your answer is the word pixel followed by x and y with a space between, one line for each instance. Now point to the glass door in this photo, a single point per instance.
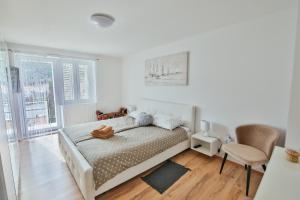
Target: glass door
pixel 38 94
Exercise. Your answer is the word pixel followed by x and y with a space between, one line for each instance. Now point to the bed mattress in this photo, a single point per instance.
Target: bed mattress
pixel 130 146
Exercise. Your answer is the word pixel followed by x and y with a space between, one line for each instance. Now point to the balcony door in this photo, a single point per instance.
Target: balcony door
pixel 38 99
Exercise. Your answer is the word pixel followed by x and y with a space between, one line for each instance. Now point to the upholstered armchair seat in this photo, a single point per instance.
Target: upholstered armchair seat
pixel 254 146
pixel 245 154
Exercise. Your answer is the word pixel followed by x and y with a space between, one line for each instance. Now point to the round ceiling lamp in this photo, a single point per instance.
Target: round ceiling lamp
pixel 102 20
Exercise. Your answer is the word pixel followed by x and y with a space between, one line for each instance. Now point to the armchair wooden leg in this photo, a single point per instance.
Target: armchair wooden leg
pixel 245 167
pixel 223 162
pixel 264 167
pixel 248 179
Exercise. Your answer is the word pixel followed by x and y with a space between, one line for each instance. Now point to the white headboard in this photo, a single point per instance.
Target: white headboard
pixel 184 111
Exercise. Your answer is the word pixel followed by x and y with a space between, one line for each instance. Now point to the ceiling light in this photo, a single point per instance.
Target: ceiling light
pixel 102 20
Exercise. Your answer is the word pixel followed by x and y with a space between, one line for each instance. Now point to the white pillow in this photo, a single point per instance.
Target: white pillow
pixel 134 114
pixel 166 121
pixel 143 119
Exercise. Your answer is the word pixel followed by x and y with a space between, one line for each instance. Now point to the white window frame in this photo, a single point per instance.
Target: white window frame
pixel 76 81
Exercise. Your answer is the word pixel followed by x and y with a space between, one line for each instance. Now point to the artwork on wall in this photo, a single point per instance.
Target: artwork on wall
pixel 167 70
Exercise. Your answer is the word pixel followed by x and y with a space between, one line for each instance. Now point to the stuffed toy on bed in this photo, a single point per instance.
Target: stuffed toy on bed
pixel 101 116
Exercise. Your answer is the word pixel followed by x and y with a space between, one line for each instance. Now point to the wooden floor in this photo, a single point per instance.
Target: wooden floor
pixel 44 175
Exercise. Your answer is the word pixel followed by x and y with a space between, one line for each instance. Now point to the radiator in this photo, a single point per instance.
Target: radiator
pixel 78 113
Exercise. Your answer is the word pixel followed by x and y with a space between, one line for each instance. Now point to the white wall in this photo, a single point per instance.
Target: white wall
pixel 238 74
pixel 293 132
pixel 109 84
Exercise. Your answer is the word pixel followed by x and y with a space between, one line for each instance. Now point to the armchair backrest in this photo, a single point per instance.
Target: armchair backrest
pixel 262 137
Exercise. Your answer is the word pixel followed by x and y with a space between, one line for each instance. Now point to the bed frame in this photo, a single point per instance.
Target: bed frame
pixel 83 172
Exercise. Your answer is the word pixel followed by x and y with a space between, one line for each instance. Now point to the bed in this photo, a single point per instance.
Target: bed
pixel 79 163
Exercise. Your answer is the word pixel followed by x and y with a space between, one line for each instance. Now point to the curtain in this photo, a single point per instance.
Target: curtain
pixel 37 94
pixel 6 93
pixel 9 142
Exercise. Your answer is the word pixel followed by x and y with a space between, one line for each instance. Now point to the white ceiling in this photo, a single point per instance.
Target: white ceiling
pixel 140 24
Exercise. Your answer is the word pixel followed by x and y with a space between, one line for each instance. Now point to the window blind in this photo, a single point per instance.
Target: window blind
pixel 68 81
pixel 83 81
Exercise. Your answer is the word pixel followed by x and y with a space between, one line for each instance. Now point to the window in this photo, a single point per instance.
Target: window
pixel 78 80
pixel 73 79
pixel 84 81
pixel 45 83
pixel 68 81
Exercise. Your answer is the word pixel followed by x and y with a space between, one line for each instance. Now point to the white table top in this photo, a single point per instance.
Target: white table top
pixel 281 180
pixel 208 139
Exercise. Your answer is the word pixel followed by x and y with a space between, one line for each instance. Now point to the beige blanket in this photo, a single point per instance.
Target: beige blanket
pixel 126 149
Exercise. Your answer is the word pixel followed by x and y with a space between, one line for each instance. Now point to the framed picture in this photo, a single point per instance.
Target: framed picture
pixel 167 70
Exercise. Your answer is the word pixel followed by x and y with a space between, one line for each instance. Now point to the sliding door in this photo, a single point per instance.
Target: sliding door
pixel 40 109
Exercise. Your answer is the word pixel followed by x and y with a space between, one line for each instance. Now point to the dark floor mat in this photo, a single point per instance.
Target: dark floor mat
pixel 165 176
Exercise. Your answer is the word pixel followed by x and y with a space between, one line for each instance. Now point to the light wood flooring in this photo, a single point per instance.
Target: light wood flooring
pixel 45 175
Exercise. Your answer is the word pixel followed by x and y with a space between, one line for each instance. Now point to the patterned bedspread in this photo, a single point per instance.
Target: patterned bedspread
pixel 130 146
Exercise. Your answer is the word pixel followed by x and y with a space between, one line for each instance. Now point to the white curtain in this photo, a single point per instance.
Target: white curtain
pixel 9 148
pixel 6 93
pixel 37 94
